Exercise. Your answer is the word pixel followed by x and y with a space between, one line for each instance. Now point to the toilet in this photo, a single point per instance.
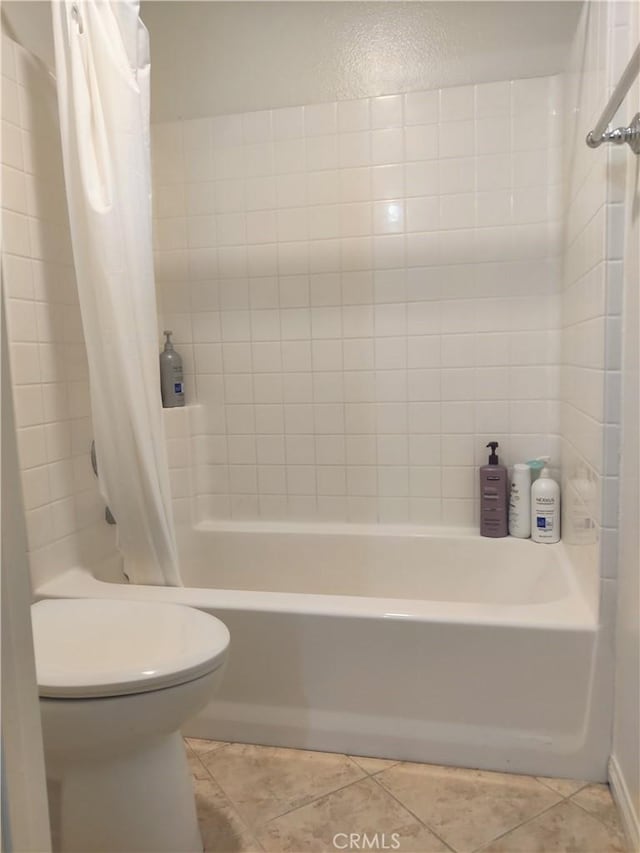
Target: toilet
pixel 117 679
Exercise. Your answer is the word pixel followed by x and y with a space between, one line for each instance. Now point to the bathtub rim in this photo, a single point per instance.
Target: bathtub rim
pixel 569 613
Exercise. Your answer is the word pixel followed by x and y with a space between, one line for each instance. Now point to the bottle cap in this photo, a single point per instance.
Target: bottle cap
pixel 539 462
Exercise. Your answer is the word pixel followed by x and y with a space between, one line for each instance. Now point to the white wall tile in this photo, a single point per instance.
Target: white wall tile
pixel 386 111
pixel 421 142
pixel 421 108
pixel 456 103
pixel 456 139
pixel 300 289
pixel 386 146
pixel 354 149
pixel 290 155
pixel 493 100
pixel 288 123
pixel 322 153
pixel 320 119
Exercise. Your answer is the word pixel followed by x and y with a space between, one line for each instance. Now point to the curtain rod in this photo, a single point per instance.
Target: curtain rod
pixel 620 135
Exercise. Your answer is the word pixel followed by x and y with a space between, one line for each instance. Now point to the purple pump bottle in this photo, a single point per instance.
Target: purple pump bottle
pixel 494 504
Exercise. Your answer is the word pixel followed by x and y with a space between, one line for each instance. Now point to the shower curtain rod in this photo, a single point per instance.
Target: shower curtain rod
pixel 620 135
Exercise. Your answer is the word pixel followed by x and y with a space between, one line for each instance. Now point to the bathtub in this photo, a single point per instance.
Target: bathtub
pixel 393 642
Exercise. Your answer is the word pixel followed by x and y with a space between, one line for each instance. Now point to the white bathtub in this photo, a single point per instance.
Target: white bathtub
pixel 398 643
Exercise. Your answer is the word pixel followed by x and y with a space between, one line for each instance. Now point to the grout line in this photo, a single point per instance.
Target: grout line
pixel 564 797
pixel 518 826
pixel 191 754
pixel 303 805
pixel 223 746
pixel 413 814
pixel 231 803
pixel 567 799
pixel 213 748
pixel 354 758
pixel 378 772
pixel 620 831
pixel 314 800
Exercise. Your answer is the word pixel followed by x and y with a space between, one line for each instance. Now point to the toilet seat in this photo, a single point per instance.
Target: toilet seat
pixel 93 648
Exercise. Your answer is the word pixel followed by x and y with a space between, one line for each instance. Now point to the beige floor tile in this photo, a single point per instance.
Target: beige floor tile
pixel 597 800
pixel 210 798
pixel 198 770
pixel 373 765
pixel 564 787
pixel 264 782
pixel 200 746
pixel 565 828
pixel 466 808
pixel 222 828
pixel 229 842
pixel 362 808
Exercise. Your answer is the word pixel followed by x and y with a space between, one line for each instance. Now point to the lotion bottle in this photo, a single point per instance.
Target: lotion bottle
pixel 520 502
pixel 493 496
pixel 171 377
pixel 545 509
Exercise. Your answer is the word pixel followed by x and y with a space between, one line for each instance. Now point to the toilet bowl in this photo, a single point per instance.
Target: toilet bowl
pixel 117 680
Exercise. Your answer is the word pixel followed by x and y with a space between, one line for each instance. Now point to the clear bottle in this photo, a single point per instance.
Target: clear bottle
pixel 520 502
pixel 545 509
pixel 580 499
pixel 171 376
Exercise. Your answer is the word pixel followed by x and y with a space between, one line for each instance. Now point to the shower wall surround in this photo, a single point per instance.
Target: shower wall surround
pixel 599 200
pixel 64 511
pixel 593 248
pixel 364 293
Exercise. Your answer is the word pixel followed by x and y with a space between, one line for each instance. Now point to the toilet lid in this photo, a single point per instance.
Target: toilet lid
pixel 88 648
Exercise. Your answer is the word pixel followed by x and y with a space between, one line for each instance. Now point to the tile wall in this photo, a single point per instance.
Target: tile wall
pixel 364 294
pixel 64 512
pixel 592 303
pixel 593 248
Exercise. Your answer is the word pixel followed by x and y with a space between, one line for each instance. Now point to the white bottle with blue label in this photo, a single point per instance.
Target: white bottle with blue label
pixel 545 509
pixel 171 377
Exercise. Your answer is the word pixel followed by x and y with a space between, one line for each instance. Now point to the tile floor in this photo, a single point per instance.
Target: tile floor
pixel 258 798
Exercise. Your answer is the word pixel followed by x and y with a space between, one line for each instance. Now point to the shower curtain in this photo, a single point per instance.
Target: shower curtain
pixel 102 68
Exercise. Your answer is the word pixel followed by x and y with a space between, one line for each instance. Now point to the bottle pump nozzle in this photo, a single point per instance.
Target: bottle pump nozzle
pixel 493 456
pixel 168 344
pixel 545 473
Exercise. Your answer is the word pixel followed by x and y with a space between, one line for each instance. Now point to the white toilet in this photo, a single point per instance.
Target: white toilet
pixel 117 680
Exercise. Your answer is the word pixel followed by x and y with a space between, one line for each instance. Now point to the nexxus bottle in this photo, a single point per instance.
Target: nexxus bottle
pixel 171 378
pixel 545 509
pixel 493 496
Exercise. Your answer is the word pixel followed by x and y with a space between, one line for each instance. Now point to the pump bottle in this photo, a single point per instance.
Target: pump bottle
pixel 545 509
pixel 493 496
pixel 171 377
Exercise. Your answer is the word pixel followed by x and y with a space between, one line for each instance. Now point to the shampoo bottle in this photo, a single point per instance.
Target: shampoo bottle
pixel 493 496
pixel 171 378
pixel 520 502
pixel 545 509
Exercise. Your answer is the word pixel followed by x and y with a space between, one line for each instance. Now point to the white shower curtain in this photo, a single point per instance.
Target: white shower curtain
pixel 102 68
